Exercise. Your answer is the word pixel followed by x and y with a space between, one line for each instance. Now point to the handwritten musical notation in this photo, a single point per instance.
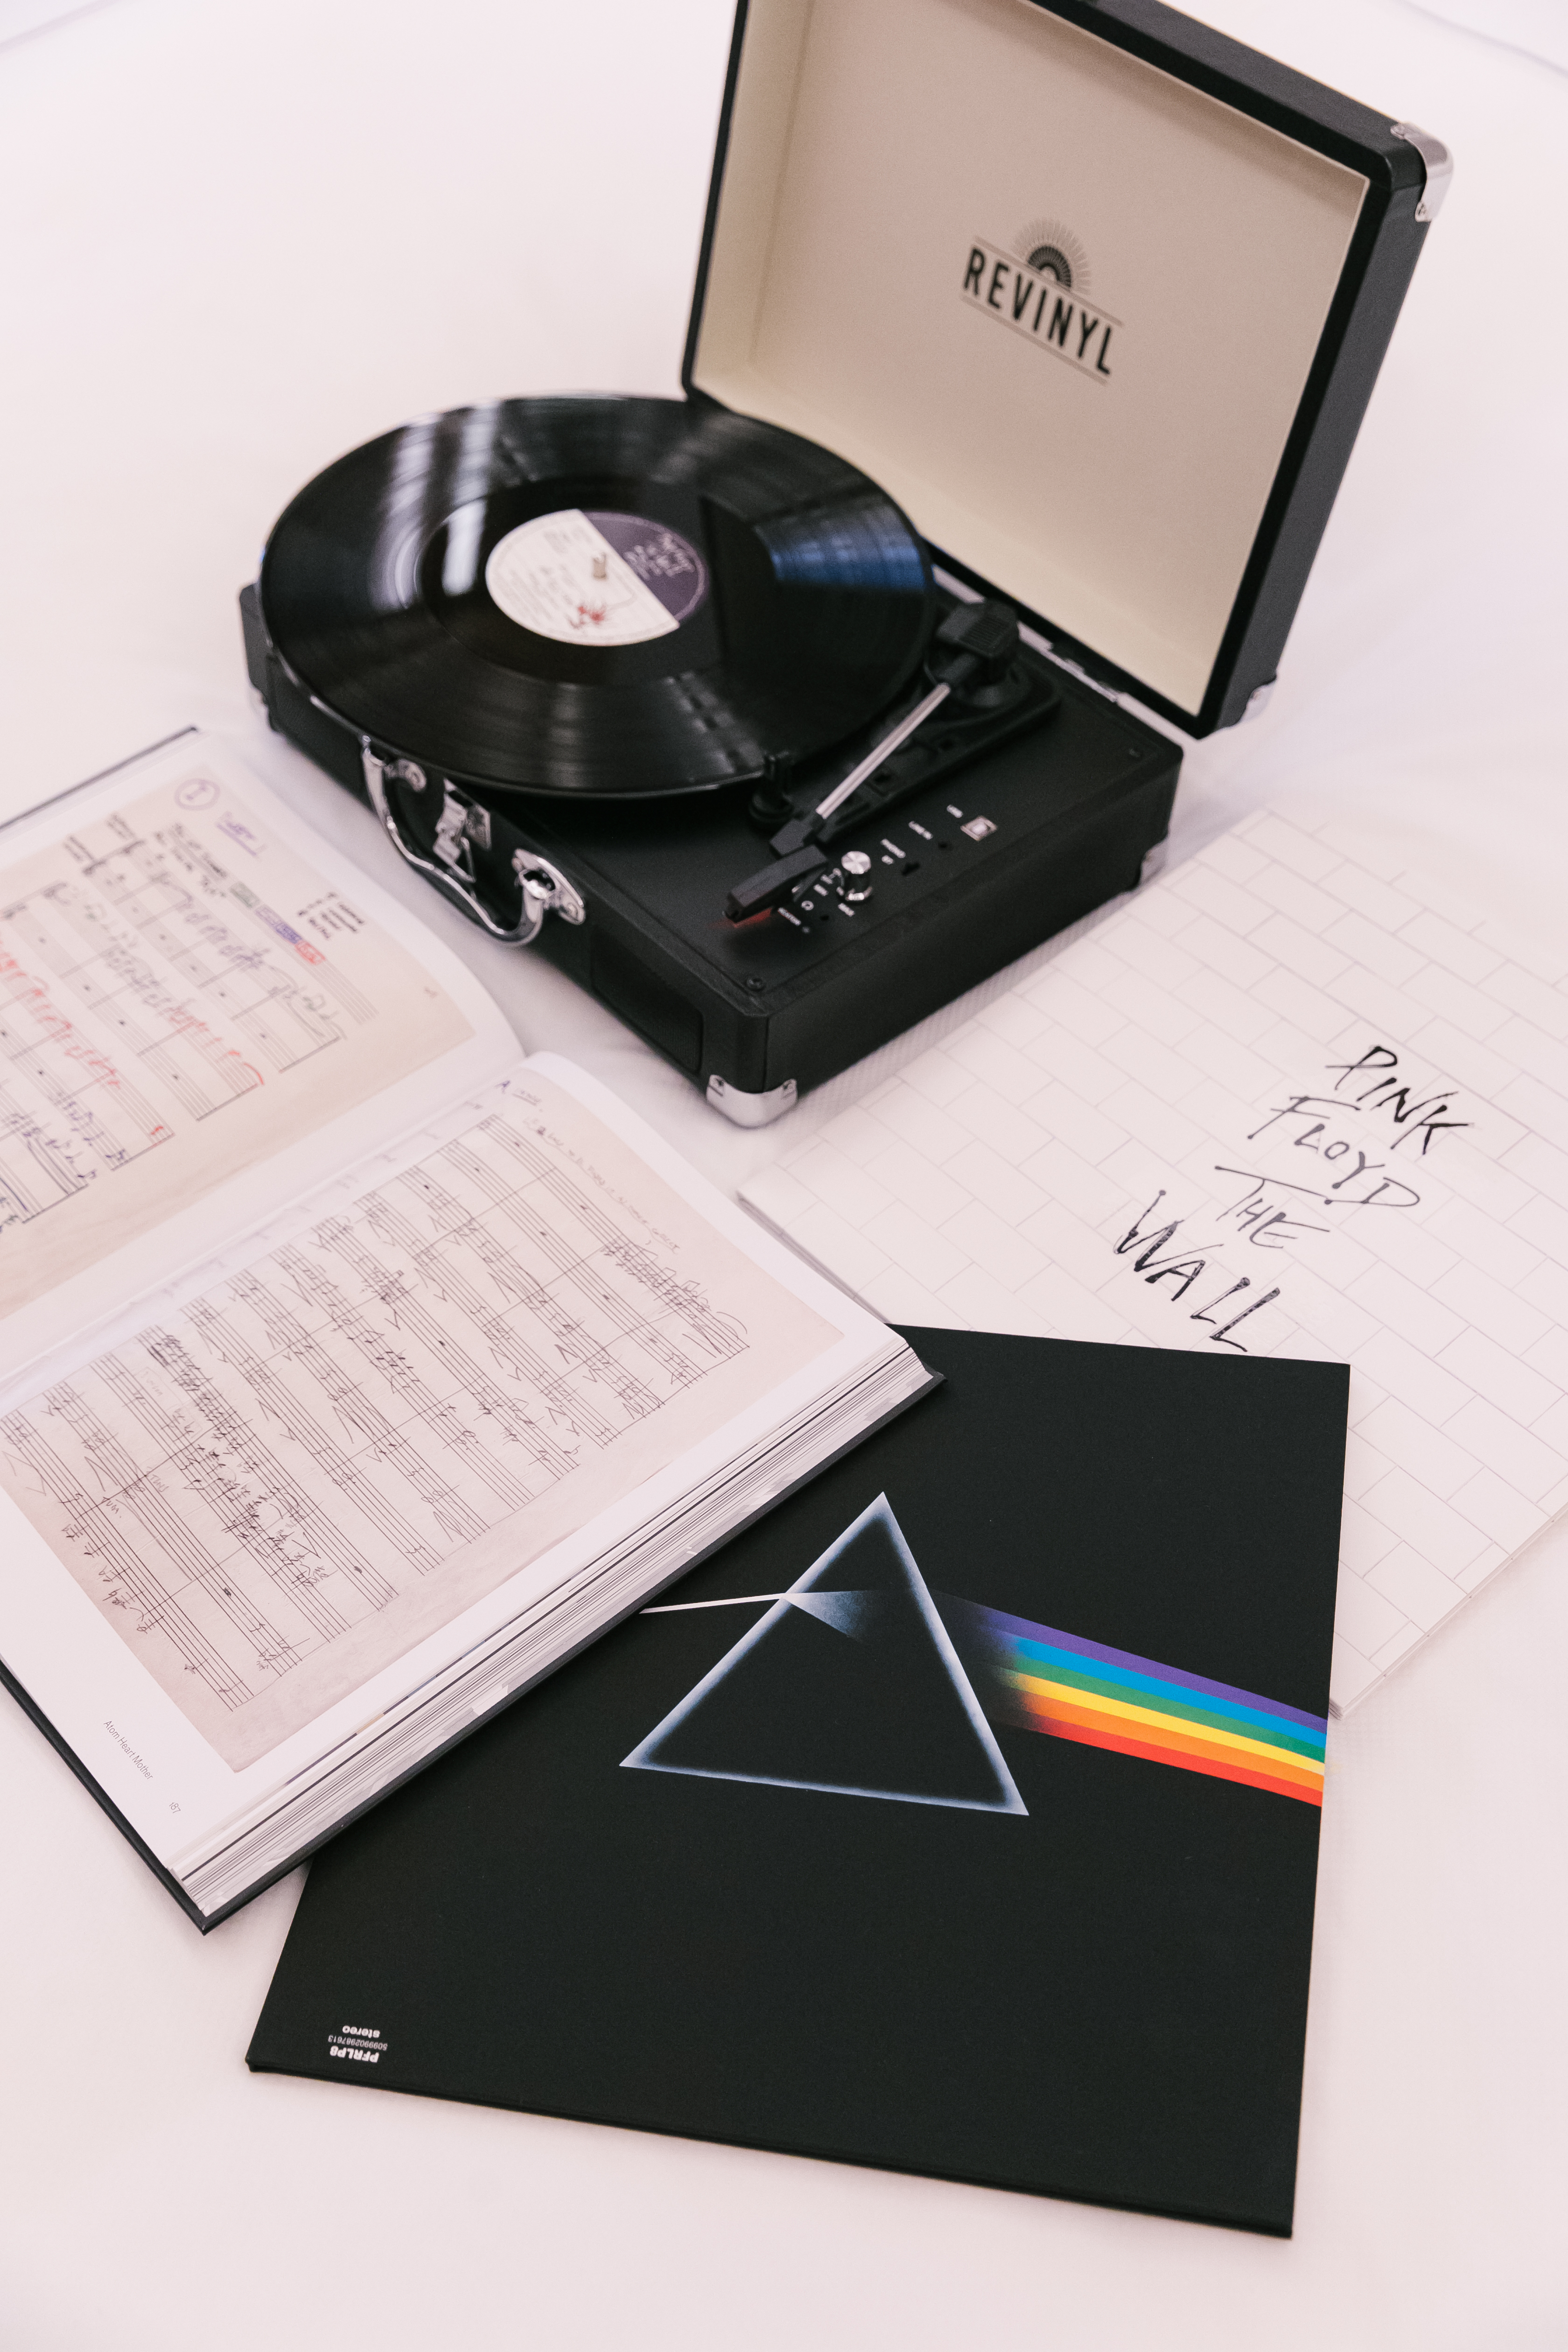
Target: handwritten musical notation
pixel 177 988
pixel 330 1452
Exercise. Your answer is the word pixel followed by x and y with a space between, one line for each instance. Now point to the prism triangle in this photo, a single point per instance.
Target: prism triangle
pixel 849 1685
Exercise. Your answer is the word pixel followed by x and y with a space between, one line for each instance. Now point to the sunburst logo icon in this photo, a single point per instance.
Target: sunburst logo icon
pixel 1052 250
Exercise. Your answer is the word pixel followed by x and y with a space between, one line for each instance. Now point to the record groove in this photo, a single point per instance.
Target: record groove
pixel 708 596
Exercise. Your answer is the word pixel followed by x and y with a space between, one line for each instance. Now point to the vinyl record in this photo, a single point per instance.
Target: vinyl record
pixel 597 595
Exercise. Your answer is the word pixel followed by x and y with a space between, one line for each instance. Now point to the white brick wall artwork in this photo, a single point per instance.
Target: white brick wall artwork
pixel 1294 1100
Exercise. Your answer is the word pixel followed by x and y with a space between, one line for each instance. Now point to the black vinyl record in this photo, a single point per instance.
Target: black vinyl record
pixel 597 595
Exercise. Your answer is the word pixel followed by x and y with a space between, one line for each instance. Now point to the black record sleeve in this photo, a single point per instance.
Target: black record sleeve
pixel 808 1873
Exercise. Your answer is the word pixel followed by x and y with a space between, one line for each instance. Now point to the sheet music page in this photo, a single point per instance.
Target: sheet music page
pixel 274 1490
pixel 182 997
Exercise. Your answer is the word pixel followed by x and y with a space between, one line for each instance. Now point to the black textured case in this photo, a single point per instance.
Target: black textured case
pixel 1076 807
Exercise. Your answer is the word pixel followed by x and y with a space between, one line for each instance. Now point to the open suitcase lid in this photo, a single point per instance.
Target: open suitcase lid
pixel 1097 294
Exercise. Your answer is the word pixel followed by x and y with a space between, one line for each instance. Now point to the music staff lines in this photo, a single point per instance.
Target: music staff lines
pixel 101 975
pixel 256 1476
pixel 713 1331
pixel 126 1580
pixel 361 1417
pixel 295 1542
pixel 437 1266
pixel 66 1111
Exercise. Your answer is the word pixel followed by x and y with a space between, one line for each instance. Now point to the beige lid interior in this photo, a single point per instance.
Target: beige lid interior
pixel 1100 450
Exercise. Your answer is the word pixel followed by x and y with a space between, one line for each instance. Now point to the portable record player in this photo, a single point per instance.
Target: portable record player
pixel 1027 351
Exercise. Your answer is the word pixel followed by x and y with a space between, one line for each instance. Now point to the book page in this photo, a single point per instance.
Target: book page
pixel 182 995
pixel 275 1490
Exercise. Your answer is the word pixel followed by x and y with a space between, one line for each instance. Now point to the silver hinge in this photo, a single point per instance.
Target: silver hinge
pixel 1258 701
pixel 1063 661
pixel 1439 166
pixel 460 823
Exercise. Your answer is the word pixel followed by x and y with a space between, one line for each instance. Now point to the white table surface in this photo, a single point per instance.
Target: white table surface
pixel 236 238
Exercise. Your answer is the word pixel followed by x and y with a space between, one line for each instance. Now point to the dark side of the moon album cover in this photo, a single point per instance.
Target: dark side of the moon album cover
pixel 960 1817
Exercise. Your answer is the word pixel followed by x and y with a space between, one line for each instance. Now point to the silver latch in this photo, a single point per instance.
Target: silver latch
pixel 1439 166
pixel 463 825
pixel 460 823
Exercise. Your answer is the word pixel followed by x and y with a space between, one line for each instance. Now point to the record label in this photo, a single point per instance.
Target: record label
pixel 595 579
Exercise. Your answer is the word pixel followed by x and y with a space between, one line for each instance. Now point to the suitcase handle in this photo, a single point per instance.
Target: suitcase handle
pixel 462 822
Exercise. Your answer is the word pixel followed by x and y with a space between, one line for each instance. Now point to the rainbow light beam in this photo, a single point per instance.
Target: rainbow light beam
pixel 1044 1680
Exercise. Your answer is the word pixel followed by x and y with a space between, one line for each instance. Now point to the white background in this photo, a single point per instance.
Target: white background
pixel 239 238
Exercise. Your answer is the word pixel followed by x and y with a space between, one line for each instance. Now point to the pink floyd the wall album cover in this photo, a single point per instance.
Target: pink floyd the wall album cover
pixel 961 1817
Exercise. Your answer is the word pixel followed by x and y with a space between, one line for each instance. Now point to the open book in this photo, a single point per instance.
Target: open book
pixel 354 1370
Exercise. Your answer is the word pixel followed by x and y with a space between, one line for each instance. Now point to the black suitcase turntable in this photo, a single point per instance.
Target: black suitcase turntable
pixel 1026 355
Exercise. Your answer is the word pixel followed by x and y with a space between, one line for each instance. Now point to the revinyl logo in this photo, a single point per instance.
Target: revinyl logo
pixel 1039 287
